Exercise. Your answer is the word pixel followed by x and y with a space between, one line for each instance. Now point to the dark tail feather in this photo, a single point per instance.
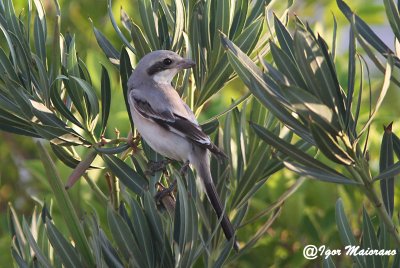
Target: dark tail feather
pixel 226 224
pixel 216 203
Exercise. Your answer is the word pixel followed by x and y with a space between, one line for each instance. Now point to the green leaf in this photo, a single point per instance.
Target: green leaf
pixel 126 174
pixel 93 104
pixel 6 67
pixel 210 127
pixel 265 91
pixel 116 28
pixel 61 108
pixel 350 77
pixel 384 241
pixel 65 205
pixel 329 146
pixel 105 98
pixel 328 263
pixel 234 104
pixel 43 81
pixel 108 49
pixel 55 67
pixel 286 65
pixel 9 43
pixel 392 13
pixel 62 247
pixel 364 30
pixel 110 255
pixel 221 23
pixel 153 217
pixel 370 241
pixel 163 33
pixel 18 259
pixel 40 13
pixel 34 246
pixel 358 107
pixel 239 18
pixel 179 22
pixel 345 232
pixel 284 38
pixel 140 42
pixel 291 151
pixel 186 225
pixel 382 94
pixel 334 37
pixel 19 240
pixel 40 40
pixel 222 70
pixel 310 108
pixel 13 124
pixel 149 26
pixel 316 173
pixel 124 238
pixel 396 145
pixel 257 10
pixel 386 160
pixel 125 70
pixel 113 150
pixel 59 136
pixel 65 156
pixel 316 71
pixel 142 233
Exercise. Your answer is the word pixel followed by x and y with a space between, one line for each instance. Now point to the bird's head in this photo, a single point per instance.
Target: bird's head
pixel 162 65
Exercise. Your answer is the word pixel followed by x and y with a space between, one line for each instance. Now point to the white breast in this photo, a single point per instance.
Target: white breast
pixel 161 140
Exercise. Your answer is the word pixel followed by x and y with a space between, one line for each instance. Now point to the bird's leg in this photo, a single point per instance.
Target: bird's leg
pixel 184 169
pixel 153 167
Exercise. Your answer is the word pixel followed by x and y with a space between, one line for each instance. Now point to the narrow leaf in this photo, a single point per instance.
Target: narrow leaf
pixel 345 232
pixel 290 150
pixel 317 173
pixel 126 174
pixel 108 49
pixel 370 241
pixel 62 247
pixel 386 160
pixel 382 94
pixel 65 205
pixel 105 98
pixel 123 237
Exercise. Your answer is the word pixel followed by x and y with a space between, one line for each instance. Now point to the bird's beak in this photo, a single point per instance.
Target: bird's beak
pixel 186 64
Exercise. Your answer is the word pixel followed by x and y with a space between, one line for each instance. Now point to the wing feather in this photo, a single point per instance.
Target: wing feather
pixel 187 128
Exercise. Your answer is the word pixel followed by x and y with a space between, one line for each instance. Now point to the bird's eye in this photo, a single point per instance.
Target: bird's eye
pixel 167 61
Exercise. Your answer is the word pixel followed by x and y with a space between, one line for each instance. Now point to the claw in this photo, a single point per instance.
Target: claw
pixel 184 169
pixel 165 196
pixel 154 167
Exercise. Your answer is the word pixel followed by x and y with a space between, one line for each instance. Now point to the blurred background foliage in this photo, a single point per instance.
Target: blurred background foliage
pixel 308 216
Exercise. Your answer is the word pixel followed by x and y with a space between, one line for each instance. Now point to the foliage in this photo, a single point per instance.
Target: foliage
pixel 49 90
pixel 51 96
pixel 304 93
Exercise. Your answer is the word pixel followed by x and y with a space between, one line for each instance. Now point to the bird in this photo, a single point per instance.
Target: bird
pixel 169 126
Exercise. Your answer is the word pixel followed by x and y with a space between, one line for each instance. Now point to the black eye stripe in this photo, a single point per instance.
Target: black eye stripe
pixel 159 66
pixel 156 68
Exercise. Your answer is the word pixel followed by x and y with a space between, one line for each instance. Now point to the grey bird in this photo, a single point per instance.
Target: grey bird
pixel 168 125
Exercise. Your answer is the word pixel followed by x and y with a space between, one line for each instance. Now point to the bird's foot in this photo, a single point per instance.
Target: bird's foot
pixel 154 167
pixel 165 196
pixel 133 141
pixel 184 169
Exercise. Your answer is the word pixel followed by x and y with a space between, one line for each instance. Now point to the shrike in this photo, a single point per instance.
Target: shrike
pixel 168 125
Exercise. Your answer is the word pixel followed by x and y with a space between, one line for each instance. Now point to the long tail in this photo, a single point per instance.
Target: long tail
pixel 203 169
